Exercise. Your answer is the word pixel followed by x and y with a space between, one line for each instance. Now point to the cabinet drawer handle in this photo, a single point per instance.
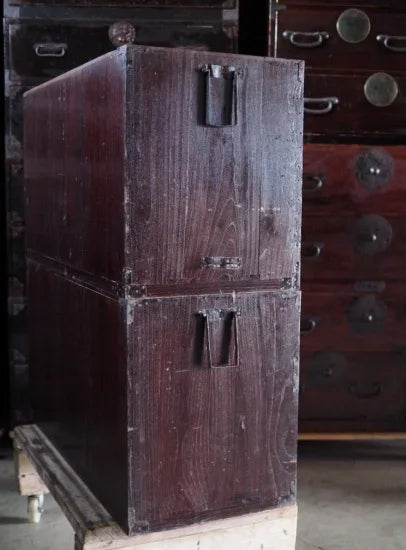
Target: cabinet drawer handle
pixel 221 328
pixel 311 183
pixel 307 324
pixel 311 39
pixel 390 42
pixel 366 390
pixel 226 262
pixel 311 250
pixel 50 49
pixel 328 102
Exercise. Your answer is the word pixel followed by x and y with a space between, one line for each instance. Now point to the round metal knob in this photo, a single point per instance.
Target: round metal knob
pixel 353 26
pixel 372 235
pixel 121 33
pixel 381 89
pixel 367 314
pixel 374 168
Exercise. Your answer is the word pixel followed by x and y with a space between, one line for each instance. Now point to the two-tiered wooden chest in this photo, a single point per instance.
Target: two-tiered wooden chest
pixel 163 236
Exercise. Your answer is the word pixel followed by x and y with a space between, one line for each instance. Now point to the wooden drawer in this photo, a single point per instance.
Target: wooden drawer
pixel 350 179
pixel 342 318
pixel 311 33
pixel 213 4
pixel 366 247
pixel 42 50
pixel 336 105
pixel 354 386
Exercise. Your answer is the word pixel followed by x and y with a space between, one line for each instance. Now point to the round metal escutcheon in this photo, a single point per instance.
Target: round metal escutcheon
pixel 381 89
pixel 121 33
pixel 372 235
pixel 374 169
pixel 326 368
pixel 353 26
pixel 367 314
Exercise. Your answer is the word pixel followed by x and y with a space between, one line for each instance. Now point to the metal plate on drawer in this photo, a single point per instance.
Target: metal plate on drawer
pixel 381 89
pixel 325 368
pixel 374 168
pixel 372 235
pixel 367 314
pixel 353 26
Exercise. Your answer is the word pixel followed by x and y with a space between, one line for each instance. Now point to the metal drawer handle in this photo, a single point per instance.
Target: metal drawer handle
pixel 221 326
pixel 232 262
pixel 329 103
pixel 311 250
pixel 388 41
pixel 311 183
pixel 50 49
pixel 366 390
pixel 307 324
pixel 311 39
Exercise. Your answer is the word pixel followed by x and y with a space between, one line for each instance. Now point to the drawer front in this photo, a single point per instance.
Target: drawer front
pixel 354 386
pixel 338 104
pixel 354 321
pixel 341 38
pixel 216 4
pixel 352 178
pixel 366 247
pixel 220 397
pixel 45 50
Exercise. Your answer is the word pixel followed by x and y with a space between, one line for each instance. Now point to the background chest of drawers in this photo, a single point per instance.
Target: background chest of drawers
pixel 43 39
pixel 353 362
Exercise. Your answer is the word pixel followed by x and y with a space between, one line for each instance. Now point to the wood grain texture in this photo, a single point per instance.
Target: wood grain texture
pixel 187 398
pixel 334 54
pixel 136 3
pixel 342 190
pixel 95 529
pixel 223 437
pixel 191 191
pixel 74 161
pixel 238 190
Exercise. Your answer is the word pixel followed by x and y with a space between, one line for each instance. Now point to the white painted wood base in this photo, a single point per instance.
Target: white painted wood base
pixel 95 529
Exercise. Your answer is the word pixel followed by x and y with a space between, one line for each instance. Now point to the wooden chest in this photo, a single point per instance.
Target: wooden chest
pixel 163 236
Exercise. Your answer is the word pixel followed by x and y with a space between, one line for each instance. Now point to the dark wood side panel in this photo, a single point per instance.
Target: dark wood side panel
pixel 198 191
pixel 77 362
pixel 73 160
pixel 211 442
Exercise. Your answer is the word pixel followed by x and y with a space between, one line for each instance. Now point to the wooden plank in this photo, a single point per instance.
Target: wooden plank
pixel 355 436
pixel 29 482
pixel 95 530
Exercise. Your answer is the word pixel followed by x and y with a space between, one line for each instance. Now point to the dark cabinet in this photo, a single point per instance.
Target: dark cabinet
pixel 164 280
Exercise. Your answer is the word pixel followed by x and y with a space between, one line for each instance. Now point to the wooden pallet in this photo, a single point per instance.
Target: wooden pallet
pixel 95 529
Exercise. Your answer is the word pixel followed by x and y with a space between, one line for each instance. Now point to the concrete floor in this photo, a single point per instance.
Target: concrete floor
pixel 351 497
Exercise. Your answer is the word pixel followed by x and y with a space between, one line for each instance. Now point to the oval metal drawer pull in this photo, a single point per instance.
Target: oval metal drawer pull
pixel 50 49
pixel 329 103
pixel 387 40
pixel 312 39
pixel 311 183
pixel 307 324
pixel 311 250
pixel 366 390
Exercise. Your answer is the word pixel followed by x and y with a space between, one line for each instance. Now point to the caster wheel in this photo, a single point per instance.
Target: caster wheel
pixel 35 508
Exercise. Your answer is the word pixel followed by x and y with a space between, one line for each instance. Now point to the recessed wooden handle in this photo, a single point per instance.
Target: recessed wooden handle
pixel 222 336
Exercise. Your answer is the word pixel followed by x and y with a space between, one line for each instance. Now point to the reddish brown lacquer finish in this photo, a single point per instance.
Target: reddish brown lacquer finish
pixel 163 279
